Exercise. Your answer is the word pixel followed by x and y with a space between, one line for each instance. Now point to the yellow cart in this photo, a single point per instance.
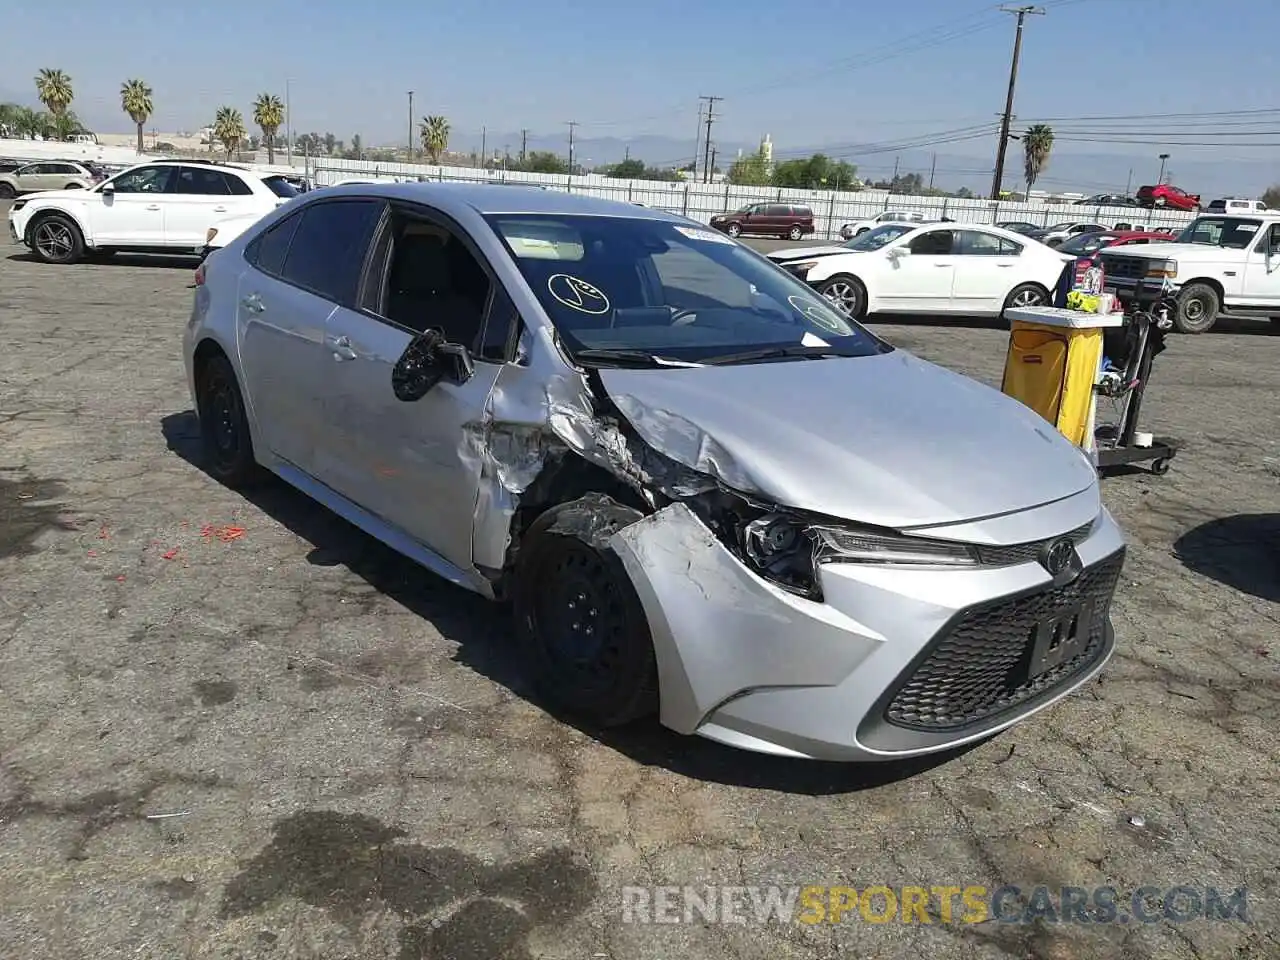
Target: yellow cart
pixel 1053 362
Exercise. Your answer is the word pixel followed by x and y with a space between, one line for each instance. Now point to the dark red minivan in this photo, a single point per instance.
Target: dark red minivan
pixel 766 220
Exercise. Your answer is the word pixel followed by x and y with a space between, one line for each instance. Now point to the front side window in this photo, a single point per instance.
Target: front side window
pixel 433 280
pixel 653 288
pixel 328 250
pixel 143 180
pixel 934 243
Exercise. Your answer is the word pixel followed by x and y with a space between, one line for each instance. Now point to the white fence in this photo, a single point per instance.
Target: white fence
pixel 701 201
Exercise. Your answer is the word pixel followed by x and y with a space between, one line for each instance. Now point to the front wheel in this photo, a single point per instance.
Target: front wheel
pixel 581 627
pixel 1197 309
pixel 734 231
pixel 846 294
pixel 56 239
pixel 795 233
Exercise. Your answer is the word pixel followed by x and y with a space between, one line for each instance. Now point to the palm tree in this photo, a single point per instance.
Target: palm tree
pixel 27 123
pixel 434 132
pixel 1037 143
pixel 65 125
pixel 135 100
pixel 54 90
pixel 268 113
pixel 228 128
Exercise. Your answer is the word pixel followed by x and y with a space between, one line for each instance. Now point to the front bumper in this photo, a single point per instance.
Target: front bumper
pixel 14 235
pixel 895 662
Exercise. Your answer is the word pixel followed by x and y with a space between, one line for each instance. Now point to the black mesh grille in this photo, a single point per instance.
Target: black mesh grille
pixel 978 667
pixel 1024 552
pixel 1124 268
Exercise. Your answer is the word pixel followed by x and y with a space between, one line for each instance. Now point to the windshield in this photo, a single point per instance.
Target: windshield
pixel 670 291
pixel 876 238
pixel 1232 232
pixel 1086 243
pixel 280 186
pixel 1058 227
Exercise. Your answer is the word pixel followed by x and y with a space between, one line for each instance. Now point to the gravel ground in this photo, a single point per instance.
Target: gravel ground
pixel 239 728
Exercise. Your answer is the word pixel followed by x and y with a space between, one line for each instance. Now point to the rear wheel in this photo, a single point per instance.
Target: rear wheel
pixel 75 186
pixel 580 624
pixel 796 232
pixel 224 425
pixel 56 239
pixel 1026 295
pixel 7 192
pixel 846 294
pixel 1197 310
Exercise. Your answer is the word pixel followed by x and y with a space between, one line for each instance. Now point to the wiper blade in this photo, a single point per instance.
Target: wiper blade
pixel 785 350
pixel 637 357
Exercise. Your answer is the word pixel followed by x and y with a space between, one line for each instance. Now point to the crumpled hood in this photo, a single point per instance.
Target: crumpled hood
pixel 890 440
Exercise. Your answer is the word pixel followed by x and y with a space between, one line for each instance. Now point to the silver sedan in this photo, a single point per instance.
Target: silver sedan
pixel 708 496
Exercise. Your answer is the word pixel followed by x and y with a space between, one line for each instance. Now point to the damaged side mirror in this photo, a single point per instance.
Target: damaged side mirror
pixel 427 360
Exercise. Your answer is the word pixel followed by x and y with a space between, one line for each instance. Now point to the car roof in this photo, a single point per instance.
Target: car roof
pixel 486 199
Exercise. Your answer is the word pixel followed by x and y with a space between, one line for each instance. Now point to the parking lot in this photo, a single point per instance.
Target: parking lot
pixel 240 728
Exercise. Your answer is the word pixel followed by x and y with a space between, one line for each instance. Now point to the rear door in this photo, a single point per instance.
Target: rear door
pixel 199 197
pixel 302 268
pixel 985 271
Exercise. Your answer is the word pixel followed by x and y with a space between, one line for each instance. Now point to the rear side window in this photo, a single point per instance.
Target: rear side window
pixel 237 186
pixel 201 181
pixel 267 253
pixel 280 187
pixel 802 211
pixel 329 247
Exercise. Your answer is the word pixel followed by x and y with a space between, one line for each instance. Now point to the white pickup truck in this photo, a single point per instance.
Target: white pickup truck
pixel 1221 263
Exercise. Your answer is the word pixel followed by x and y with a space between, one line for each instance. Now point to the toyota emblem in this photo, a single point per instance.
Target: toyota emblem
pixel 1059 556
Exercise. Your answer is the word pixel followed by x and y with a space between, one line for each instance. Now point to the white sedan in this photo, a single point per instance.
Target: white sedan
pixel 966 269
pixel 859 227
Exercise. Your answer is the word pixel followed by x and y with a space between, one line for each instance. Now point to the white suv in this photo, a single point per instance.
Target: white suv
pixel 162 207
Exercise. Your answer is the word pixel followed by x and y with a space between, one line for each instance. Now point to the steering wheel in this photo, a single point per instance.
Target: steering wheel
pixel 684 316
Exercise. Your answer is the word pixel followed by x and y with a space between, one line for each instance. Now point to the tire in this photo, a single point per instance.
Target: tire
pixel 7 192
pixel 734 230
pixel 847 294
pixel 224 425
pixel 1026 295
pixel 580 625
pixel 1160 467
pixel 796 232
pixel 1198 308
pixel 55 238
pixel 74 186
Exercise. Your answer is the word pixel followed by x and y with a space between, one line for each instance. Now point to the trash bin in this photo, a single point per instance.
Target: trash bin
pixel 1052 363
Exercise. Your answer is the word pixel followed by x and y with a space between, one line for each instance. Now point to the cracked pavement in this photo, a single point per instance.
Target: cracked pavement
pixel 240 728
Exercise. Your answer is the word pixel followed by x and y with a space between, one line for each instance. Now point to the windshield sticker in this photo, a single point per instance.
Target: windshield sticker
pixel 817 313
pixel 809 340
pixel 710 236
pixel 576 294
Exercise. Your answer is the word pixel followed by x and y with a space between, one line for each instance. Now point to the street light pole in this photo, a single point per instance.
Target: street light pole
pixel 288 119
pixel 410 126
pixel 1163 158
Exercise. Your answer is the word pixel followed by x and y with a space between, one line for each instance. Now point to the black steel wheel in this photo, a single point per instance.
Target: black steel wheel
pixel 1198 307
pixel 224 425
pixel 580 624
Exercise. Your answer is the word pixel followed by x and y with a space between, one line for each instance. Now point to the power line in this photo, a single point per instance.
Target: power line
pixel 711 117
pixel 1002 145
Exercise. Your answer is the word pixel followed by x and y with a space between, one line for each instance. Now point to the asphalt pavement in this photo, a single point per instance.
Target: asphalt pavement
pixel 237 727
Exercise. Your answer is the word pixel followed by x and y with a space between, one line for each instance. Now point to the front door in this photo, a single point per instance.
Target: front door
pixel 301 270
pixel 414 464
pixel 1262 273
pixel 921 281
pixel 132 212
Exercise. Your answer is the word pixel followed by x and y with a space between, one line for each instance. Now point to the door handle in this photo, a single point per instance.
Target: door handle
pixel 153 206
pixel 1005 266
pixel 341 347
pixel 219 209
pixel 253 303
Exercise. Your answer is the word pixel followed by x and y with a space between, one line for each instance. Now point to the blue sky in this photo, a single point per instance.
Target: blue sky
pixel 844 73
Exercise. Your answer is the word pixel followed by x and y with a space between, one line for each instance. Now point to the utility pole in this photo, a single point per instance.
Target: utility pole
pixel 288 120
pixel 933 168
pixel 1163 158
pixel 410 125
pixel 712 168
pixel 895 169
pixel 524 143
pixel 697 140
pixel 706 147
pixel 1128 184
pixel 484 147
pixel 572 126
pixel 626 152
pixel 998 180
